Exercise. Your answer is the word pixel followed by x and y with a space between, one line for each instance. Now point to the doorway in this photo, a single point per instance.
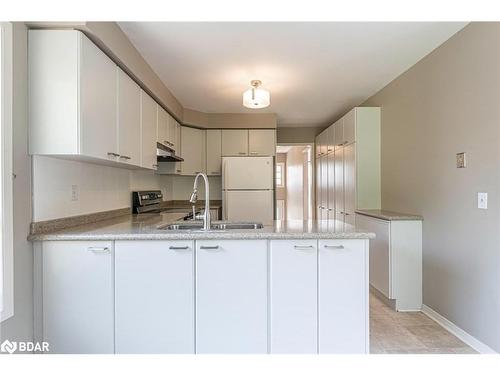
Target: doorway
pixel 294 182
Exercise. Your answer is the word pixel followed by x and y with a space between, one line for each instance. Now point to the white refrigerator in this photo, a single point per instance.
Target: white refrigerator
pixel 248 188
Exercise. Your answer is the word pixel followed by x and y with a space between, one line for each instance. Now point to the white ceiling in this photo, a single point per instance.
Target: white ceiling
pixel 314 71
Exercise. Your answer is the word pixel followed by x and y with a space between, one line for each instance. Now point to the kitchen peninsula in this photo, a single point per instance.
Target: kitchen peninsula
pixel 131 285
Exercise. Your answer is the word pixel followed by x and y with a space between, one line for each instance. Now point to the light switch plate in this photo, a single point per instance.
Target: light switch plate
pixel 461 162
pixel 482 201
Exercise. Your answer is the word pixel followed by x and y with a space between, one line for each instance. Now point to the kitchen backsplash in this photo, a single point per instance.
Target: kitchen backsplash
pixel 63 188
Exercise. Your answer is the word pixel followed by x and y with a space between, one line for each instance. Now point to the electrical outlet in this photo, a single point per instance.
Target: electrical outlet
pixel 482 201
pixel 74 193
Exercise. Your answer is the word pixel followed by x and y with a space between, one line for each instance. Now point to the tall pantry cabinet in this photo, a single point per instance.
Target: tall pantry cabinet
pixel 348 166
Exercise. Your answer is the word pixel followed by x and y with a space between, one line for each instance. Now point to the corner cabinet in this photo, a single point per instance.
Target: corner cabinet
pixel 81 104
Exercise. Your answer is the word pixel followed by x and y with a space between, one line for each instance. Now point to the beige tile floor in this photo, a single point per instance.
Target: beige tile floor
pixel 394 332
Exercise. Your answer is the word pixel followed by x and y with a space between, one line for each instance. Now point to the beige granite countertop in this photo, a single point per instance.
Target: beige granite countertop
pixel 145 227
pixel 389 215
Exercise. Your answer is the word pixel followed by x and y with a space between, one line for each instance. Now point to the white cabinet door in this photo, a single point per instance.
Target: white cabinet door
pixel 317 145
pixel 350 181
pixel 174 135
pixel 330 139
pixel 214 152
pixel 129 119
pixel 148 131
pixel 293 290
pixel 98 100
pixel 193 151
pixel 339 133
pixel 350 126
pixel 324 187
pixel 231 296
pixel 170 131
pixel 154 297
pixel 339 187
pixel 343 296
pixel 331 186
pixel 78 296
pixel 262 142
pixel 162 126
pixel 318 189
pixel 234 142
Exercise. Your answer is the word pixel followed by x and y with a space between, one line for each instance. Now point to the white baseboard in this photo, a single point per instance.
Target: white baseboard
pixel 457 331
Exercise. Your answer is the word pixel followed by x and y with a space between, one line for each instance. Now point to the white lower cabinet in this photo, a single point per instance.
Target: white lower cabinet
pixel 78 296
pixel 231 296
pixel 293 296
pixel 154 300
pixel 343 296
pixel 204 296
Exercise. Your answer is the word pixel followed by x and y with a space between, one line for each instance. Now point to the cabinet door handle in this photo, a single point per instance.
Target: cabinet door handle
pixel 242 153
pixel 301 247
pixel 197 172
pixel 113 154
pixel 337 247
pixel 209 247
pixel 155 165
pixel 178 247
pixel 125 157
pixel 346 214
pixel 253 152
pixel 178 170
pixel 99 250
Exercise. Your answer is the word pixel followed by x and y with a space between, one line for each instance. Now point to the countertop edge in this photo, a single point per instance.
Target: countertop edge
pixel 390 216
pixel 202 236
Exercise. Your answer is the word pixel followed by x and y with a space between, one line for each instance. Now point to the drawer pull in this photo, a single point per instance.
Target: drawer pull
pixel 209 247
pixel 113 154
pixel 302 247
pixel 337 247
pixel 125 157
pixel 99 250
pixel 178 247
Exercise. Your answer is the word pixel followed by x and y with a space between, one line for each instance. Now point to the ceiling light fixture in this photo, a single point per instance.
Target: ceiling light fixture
pixel 256 97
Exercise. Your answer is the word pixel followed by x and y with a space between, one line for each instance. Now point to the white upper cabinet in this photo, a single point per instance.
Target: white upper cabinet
pixel 129 119
pixel 73 96
pixel 193 151
pixel 339 133
pixel 214 152
pixel 81 105
pixel 234 142
pixel 98 99
pixel 330 140
pixel 349 135
pixel 261 142
pixel 148 131
pixel 162 129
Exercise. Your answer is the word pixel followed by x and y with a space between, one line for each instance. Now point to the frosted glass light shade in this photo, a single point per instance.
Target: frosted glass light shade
pixel 256 98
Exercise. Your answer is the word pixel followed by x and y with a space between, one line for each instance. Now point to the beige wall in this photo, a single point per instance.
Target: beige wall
pixel 447 103
pixel 297 134
pixel 230 120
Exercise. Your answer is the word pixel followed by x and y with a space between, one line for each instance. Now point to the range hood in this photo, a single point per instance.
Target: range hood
pixel 166 154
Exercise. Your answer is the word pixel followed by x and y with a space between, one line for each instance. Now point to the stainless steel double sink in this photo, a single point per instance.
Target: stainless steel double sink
pixel 216 226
